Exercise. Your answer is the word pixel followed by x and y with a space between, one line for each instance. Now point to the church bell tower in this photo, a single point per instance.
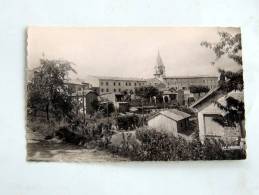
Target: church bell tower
pixel 159 67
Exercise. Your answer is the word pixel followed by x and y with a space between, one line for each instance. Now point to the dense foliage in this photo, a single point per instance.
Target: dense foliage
pixel 146 92
pixel 47 90
pixel 106 108
pixel 198 89
pixel 128 121
pixel 230 45
pixel 159 146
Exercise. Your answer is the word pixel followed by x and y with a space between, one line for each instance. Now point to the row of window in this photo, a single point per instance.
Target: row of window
pixel 209 86
pixel 119 84
pixel 107 90
pixel 192 81
pixel 119 90
pixel 116 90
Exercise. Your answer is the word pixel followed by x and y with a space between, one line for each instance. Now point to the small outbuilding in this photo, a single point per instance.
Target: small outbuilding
pixel 171 121
pixel 117 100
pixel 208 112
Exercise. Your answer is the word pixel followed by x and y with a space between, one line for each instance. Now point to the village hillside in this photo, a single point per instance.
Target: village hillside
pixel 164 117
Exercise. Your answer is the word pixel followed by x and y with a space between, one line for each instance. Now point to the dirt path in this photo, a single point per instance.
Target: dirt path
pixel 46 151
pixel 39 149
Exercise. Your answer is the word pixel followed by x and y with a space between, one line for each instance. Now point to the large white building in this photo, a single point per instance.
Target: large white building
pixel 119 84
pixel 108 84
pixel 184 82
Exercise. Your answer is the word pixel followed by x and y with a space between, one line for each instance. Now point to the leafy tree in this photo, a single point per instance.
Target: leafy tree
pixel 230 45
pixel 198 89
pixel 146 92
pixel 48 92
pixel 234 113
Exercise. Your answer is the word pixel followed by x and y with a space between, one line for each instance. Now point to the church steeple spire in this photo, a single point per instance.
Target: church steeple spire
pixel 159 59
pixel 159 67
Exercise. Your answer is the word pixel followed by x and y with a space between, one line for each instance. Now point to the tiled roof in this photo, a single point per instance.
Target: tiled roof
pixel 238 95
pixel 204 97
pixel 173 114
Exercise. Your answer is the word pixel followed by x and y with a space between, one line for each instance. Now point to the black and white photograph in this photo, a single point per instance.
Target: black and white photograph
pixel 112 94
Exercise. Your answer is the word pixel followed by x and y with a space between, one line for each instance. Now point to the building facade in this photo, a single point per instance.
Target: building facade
pixel 185 82
pixel 119 84
pixel 77 86
pixel 106 84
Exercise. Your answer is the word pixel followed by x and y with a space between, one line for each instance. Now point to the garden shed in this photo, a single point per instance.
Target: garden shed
pixel 171 121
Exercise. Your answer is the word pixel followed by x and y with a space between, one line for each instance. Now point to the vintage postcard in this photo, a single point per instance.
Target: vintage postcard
pixel 100 94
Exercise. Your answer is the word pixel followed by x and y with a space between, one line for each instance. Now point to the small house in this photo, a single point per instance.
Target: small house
pixel 170 121
pixel 117 100
pixel 208 112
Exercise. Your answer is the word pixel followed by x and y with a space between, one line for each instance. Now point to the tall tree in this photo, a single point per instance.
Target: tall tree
pixel 230 45
pixel 47 90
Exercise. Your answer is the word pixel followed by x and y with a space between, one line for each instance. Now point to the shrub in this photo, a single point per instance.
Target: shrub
pixel 128 121
pixel 160 146
pixel 156 145
pixel 198 89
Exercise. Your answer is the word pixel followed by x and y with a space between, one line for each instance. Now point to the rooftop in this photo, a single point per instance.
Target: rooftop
pixel 85 92
pixel 174 114
pixel 120 78
pixel 221 98
pixel 76 81
pixel 211 92
pixel 238 95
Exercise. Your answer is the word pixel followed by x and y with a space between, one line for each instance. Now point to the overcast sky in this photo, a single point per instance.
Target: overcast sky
pixel 128 51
